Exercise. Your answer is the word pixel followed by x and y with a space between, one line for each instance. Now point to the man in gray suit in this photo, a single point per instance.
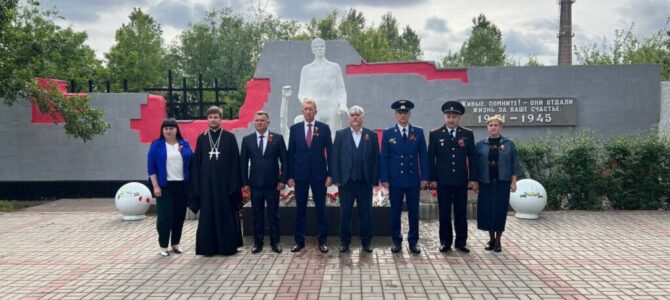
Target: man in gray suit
pixel 355 170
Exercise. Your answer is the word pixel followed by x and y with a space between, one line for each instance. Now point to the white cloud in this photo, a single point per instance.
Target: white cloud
pixel 527 26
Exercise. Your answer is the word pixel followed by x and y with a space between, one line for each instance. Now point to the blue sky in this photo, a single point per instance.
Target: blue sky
pixel 528 27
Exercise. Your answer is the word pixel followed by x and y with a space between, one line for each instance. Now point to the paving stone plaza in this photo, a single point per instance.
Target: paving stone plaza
pixel 78 249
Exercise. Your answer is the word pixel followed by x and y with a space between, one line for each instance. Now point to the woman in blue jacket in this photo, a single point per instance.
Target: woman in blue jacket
pixel 167 164
pixel 498 169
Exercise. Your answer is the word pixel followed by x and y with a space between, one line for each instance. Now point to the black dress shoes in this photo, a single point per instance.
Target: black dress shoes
pixel 490 245
pixel 323 248
pixel 276 248
pixel 444 248
pixel 463 249
pixel 395 248
pixel 367 248
pixel 297 247
pixel 497 248
pixel 256 249
pixel 414 249
pixel 344 248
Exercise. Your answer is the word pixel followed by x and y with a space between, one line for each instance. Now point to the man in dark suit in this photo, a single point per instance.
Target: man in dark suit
pixel 404 171
pixel 355 170
pixel 267 153
pixel 453 169
pixel 309 154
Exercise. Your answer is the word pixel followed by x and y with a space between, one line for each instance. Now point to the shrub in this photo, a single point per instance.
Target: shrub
pixel 580 162
pixel 638 171
pixel 538 161
pixel 580 171
pixel 6 206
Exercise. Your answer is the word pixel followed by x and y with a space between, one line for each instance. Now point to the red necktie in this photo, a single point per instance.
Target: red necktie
pixel 309 135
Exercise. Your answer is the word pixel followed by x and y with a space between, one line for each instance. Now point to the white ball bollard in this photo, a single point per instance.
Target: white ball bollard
pixel 133 200
pixel 529 199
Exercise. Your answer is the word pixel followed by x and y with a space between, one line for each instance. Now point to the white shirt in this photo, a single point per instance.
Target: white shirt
pixel 357 136
pixel 449 130
pixel 406 129
pixel 175 163
pixel 307 128
pixel 265 140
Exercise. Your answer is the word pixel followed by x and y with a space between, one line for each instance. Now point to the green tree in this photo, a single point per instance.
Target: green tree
pixel 226 46
pixel 411 45
pixel 533 62
pixel 325 28
pixel 484 47
pixel 32 45
pixel 139 53
pixel 453 59
pixel 626 48
pixel 352 25
pixel 372 45
pixel 389 28
pixel 405 46
pixel 382 43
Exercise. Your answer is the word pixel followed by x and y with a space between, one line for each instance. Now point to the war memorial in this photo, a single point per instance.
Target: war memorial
pixel 90 252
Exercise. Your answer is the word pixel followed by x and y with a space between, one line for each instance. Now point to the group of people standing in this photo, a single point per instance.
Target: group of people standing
pixel 211 179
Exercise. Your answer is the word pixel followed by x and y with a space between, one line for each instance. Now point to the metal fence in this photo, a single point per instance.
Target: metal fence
pixel 185 102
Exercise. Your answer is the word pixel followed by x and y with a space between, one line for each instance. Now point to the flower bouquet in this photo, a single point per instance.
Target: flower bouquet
pixel 380 197
pixel 428 196
pixel 333 199
pixel 287 197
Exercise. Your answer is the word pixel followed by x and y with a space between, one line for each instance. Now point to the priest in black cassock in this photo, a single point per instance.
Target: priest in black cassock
pixel 216 189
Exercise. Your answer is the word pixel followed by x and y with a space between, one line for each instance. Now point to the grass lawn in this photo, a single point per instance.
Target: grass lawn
pixel 13 205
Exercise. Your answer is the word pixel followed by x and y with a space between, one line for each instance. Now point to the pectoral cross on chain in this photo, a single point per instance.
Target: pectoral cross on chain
pixel 214 152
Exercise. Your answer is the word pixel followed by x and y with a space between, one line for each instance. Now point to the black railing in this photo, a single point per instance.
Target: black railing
pixel 183 106
pixel 185 103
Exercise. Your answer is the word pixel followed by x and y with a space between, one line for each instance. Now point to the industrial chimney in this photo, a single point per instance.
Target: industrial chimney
pixel 565 33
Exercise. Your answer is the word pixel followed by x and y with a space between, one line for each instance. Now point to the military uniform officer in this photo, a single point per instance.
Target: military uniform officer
pixel 404 170
pixel 453 168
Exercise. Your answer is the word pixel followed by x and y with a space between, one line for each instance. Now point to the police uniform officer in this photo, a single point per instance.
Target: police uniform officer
pixel 453 168
pixel 404 170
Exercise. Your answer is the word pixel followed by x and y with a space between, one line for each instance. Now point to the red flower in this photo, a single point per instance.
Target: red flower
pixel 333 197
pixel 246 195
pixel 285 197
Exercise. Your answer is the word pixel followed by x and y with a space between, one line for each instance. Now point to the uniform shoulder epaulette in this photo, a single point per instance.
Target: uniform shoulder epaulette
pixel 418 127
pixel 435 129
pixel 388 128
pixel 466 128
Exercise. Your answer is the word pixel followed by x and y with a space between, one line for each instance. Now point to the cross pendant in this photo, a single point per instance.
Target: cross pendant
pixel 214 152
